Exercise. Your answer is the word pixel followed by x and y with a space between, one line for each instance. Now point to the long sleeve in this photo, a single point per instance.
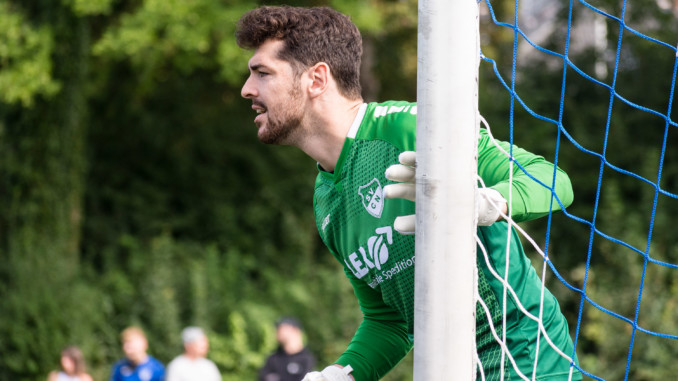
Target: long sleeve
pixel 381 340
pixel 530 200
pixel 266 369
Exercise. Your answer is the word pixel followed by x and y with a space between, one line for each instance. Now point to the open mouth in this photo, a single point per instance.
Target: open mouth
pixel 258 107
pixel 260 110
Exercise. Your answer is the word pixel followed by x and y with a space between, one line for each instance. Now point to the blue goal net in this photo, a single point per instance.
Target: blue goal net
pixel 590 86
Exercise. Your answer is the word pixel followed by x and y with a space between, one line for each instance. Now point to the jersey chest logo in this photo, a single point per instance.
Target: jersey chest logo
pixel 372 196
pixel 375 256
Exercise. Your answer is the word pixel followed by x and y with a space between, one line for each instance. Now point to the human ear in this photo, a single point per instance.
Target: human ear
pixel 319 75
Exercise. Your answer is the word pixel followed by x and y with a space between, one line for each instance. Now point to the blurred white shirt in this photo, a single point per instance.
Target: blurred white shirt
pixel 183 368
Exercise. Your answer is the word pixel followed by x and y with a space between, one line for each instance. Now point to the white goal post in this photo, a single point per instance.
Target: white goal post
pixel 448 56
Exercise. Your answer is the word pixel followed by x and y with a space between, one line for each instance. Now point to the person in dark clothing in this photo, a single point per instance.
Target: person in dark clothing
pixel 292 360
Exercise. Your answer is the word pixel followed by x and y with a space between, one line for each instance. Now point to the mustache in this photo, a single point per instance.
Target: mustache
pixel 259 104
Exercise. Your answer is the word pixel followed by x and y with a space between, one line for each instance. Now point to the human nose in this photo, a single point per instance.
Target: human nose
pixel 247 90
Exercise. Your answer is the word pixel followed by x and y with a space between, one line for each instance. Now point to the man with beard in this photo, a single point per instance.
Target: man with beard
pixel 304 85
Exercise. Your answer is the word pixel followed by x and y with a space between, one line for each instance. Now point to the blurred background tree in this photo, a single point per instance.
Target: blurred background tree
pixel 135 191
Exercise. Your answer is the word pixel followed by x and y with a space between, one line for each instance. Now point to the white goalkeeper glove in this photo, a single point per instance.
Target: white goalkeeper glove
pixel 331 373
pixel 490 205
pixel 489 201
pixel 403 173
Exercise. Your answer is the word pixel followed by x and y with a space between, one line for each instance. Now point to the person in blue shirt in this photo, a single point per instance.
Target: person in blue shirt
pixel 137 364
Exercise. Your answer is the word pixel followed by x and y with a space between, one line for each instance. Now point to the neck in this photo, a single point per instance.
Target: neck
pixel 293 347
pixel 327 130
pixel 140 360
pixel 192 356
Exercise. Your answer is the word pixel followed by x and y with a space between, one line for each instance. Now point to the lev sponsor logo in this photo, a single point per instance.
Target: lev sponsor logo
pixel 374 256
pixel 372 196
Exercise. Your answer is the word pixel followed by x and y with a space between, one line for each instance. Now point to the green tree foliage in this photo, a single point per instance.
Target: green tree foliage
pixel 25 64
pixel 43 167
pixel 136 191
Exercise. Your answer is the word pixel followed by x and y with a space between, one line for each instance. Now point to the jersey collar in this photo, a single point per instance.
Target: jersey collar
pixel 350 136
pixel 353 131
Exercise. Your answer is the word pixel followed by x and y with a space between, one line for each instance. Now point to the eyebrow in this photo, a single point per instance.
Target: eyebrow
pixel 256 67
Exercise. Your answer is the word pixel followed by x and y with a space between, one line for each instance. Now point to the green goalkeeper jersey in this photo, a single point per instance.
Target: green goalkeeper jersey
pixel 355 222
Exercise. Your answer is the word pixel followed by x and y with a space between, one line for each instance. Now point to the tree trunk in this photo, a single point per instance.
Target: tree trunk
pixel 42 174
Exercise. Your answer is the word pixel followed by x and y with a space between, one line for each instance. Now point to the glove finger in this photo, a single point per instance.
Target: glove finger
pixel 401 173
pixel 408 158
pixel 487 215
pixel 490 202
pixel 405 224
pixel 313 376
pixel 491 194
pixel 335 373
pixel 406 191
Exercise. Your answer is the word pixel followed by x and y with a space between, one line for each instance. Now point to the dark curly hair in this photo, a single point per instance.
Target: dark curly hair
pixel 311 35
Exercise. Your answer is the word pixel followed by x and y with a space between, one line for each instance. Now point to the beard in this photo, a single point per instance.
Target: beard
pixel 283 120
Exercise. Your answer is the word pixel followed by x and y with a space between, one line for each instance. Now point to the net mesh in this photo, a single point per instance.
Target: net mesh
pixel 592 85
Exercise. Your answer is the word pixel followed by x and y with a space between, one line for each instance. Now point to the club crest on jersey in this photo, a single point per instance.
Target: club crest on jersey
pixel 372 196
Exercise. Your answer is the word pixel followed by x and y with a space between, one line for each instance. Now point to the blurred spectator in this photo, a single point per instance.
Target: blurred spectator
pixel 192 364
pixel 292 359
pixel 72 366
pixel 137 364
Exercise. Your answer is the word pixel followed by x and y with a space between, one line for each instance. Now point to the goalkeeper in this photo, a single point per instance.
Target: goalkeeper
pixel 304 86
